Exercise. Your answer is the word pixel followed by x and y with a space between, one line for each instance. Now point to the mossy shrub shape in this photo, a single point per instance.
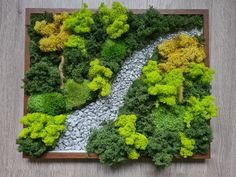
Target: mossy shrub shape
pixel 74 60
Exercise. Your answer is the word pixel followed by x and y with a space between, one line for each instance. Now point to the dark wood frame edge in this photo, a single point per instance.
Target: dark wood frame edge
pixel 80 155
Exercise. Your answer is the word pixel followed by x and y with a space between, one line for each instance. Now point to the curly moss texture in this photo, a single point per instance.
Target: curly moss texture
pixel 180 51
pixel 53 34
pixel 108 144
pixel 114 19
pixel 41 78
pixel 42 126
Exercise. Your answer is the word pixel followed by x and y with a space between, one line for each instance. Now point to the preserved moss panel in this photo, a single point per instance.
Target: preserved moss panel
pixel 74 60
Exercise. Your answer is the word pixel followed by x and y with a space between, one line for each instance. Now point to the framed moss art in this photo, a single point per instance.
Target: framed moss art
pixel 117 84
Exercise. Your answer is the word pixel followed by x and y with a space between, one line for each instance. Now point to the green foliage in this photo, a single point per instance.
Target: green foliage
pixel 108 144
pixel 162 147
pixel 200 73
pixel 114 19
pixel 76 95
pixel 168 118
pixel 76 64
pixel 113 54
pixel 36 55
pixel 196 89
pixel 95 38
pixel 100 76
pixel 33 147
pixel 42 126
pixel 163 85
pixel 40 78
pixel 126 128
pixel 145 125
pixel 197 108
pixel 137 100
pixel 49 103
pixel 187 145
pixel 146 27
pixel 151 73
pixel 76 41
pixel 80 22
pixel 201 132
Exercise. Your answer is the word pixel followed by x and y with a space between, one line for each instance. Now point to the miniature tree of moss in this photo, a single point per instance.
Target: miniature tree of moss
pixel 126 128
pixel 165 86
pixel 76 95
pixel 53 38
pixel 180 51
pixel 99 76
pixel 49 103
pixel 197 108
pixel 114 19
pixel 42 126
pixel 53 34
pixel 137 100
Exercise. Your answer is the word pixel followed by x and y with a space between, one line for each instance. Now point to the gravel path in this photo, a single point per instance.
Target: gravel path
pixel 79 123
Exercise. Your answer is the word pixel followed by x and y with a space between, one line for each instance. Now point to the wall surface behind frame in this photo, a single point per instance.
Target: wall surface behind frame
pixel 223 60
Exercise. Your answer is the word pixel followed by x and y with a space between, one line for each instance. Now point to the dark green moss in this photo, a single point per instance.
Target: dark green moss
pixel 202 133
pixel 33 147
pixel 113 54
pixel 146 27
pixel 38 17
pixel 196 89
pixel 108 144
pixel 76 64
pixel 137 100
pixel 162 147
pixel 41 78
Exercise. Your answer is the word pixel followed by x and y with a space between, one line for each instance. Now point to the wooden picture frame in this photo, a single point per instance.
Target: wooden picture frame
pixel 80 155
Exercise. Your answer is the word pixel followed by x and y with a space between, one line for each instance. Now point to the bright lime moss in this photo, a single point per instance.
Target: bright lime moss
pixel 42 126
pixel 127 129
pixel 100 78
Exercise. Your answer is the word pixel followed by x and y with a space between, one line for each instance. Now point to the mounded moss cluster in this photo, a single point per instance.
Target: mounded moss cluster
pixel 74 59
pixel 168 108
